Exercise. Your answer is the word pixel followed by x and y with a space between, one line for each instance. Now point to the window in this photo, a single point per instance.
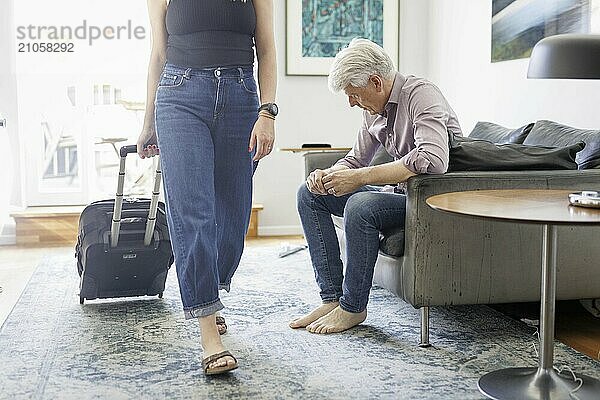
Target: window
pixel 77 108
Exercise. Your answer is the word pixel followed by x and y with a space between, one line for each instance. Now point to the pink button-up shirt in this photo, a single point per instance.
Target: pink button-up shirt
pixel 414 128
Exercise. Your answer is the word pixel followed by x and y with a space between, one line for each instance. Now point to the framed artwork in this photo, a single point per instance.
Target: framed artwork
pixel 317 29
pixel 517 25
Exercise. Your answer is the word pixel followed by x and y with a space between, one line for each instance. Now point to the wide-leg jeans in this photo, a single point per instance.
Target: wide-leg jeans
pixel 204 119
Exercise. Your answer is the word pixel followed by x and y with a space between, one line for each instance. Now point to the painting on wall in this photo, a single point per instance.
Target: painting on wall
pixel 517 25
pixel 317 29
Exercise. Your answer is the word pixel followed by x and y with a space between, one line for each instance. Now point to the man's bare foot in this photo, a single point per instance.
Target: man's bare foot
pixel 337 320
pixel 317 313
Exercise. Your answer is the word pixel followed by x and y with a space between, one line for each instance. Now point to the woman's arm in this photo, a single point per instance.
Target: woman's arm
pixel 265 50
pixel 157 11
pixel 263 134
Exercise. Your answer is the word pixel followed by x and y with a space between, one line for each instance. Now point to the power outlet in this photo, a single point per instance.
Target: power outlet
pixel 2 123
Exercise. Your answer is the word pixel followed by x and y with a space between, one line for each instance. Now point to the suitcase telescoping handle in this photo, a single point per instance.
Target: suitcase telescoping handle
pixel 151 221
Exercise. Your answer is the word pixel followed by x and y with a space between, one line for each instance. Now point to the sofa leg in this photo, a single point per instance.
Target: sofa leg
pixel 425 327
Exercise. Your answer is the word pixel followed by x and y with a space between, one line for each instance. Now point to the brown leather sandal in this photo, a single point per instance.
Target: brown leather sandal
pixel 221 325
pixel 218 370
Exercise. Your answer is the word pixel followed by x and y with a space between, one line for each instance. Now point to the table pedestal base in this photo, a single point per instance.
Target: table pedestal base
pixel 536 384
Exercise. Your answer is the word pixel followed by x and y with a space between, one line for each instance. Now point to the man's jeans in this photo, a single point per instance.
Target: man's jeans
pixel 366 212
pixel 204 118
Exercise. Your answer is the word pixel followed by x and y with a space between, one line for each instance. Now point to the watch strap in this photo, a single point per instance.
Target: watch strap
pixel 267 107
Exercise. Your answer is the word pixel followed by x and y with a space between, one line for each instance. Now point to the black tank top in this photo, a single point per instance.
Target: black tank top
pixel 210 33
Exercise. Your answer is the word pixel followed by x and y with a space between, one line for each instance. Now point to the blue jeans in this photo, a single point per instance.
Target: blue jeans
pixel 204 118
pixel 366 212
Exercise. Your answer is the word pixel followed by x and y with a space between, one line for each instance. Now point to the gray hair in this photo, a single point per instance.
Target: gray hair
pixel 354 64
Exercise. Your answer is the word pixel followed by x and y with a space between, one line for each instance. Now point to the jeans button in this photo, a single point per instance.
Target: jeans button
pixel 217 72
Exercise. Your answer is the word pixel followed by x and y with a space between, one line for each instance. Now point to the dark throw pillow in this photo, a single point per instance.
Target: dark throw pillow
pixel 549 133
pixel 498 134
pixel 519 135
pixel 481 155
pixel 589 157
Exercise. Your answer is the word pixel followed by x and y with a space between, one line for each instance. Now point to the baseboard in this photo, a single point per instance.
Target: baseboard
pixel 8 235
pixel 280 230
pixel 8 240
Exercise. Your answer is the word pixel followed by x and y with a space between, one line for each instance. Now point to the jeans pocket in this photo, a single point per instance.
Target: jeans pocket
pixel 249 85
pixel 168 80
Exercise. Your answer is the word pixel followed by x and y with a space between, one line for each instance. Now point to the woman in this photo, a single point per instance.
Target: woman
pixel 204 115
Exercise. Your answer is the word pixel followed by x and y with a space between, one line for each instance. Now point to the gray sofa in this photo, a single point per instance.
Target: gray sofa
pixel 440 259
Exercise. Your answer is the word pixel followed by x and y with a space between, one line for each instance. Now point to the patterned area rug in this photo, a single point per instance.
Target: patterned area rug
pixel 53 348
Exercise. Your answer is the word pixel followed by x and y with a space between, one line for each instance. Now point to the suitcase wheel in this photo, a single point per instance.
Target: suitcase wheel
pixel 160 295
pixel 81 299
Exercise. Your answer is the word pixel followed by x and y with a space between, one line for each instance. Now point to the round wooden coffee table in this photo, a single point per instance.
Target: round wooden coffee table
pixel 548 208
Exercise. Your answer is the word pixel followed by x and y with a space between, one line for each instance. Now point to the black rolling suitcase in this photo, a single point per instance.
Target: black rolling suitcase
pixel 123 246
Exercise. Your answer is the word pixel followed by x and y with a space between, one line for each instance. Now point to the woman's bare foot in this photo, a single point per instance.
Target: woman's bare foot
pixel 211 342
pixel 337 320
pixel 320 311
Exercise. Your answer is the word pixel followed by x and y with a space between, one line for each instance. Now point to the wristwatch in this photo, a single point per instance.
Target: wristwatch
pixel 271 108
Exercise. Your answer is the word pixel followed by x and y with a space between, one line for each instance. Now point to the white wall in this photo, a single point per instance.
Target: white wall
pixel 309 113
pixel 10 186
pixel 459 51
pixel 414 37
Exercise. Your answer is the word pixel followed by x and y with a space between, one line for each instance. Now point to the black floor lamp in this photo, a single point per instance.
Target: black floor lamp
pixel 570 56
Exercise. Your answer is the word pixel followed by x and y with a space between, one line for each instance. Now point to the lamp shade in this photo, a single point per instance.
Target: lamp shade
pixel 568 56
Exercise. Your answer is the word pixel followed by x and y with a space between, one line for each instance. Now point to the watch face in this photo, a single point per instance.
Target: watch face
pixel 271 108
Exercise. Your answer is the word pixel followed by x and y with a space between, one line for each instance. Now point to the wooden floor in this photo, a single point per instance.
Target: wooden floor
pixel 574 325
pixel 578 328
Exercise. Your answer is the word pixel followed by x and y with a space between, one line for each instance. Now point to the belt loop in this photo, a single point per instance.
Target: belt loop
pixel 186 74
pixel 241 71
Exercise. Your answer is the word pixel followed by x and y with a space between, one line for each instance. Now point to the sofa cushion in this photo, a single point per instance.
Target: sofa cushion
pixel 499 134
pixel 549 133
pixel 391 241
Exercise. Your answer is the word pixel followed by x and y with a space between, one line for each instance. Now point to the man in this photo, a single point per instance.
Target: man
pixel 412 120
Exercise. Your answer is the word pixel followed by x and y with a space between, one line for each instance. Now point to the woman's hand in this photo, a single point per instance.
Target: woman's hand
pixel 263 136
pixel 147 138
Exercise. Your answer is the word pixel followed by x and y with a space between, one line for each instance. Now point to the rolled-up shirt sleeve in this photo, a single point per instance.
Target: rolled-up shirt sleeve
pixel 429 112
pixel 364 148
